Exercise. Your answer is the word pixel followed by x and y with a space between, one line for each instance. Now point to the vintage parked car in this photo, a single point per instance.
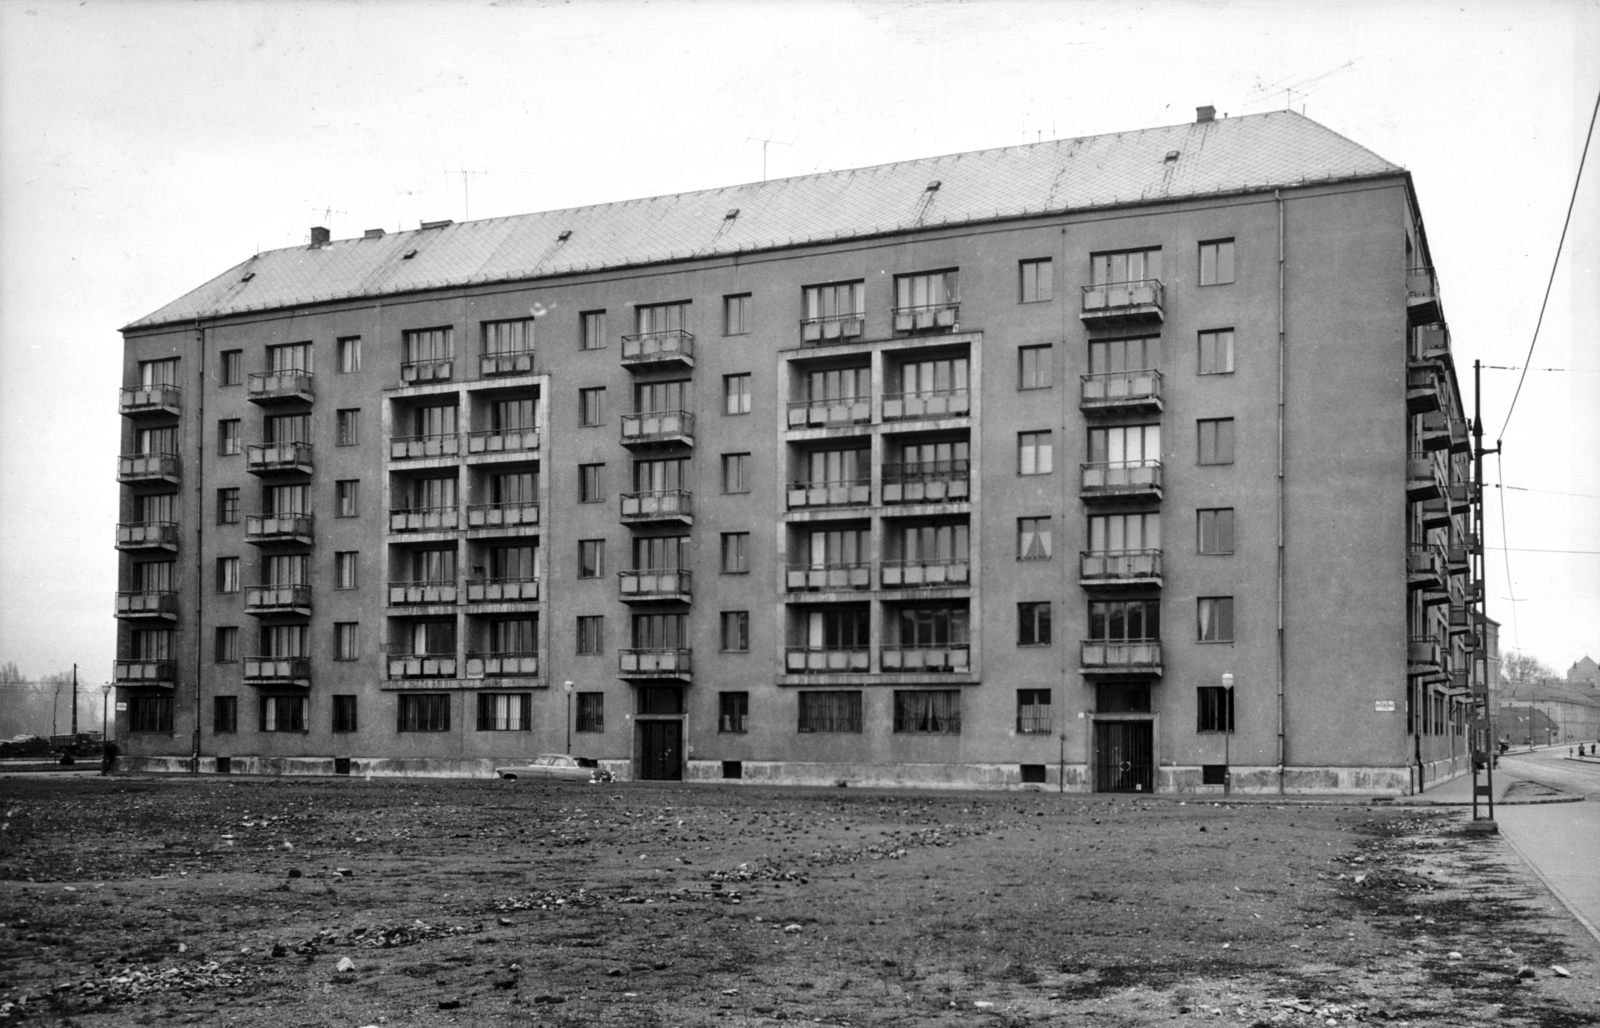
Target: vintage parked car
pixel 559 766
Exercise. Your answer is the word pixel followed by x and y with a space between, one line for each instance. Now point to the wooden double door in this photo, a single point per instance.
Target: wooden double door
pixel 1124 756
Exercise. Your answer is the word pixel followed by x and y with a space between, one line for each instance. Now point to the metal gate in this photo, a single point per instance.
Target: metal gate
pixel 660 750
pixel 1124 756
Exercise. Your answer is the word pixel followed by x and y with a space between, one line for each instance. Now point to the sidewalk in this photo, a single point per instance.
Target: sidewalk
pixel 1509 790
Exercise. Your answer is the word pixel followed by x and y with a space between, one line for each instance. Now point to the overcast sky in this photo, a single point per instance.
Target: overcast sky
pixel 146 147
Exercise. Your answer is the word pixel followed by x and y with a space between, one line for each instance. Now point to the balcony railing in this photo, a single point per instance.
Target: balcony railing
pixel 1422 387
pixel 1460 496
pixel 655 662
pixel 278 458
pixel 654 427
pixel 839 577
pixel 1460 619
pixel 278 599
pixel 134 468
pixel 433 369
pixel 271 670
pixel 1423 569
pixel 824 660
pixel 1121 390
pixel 925 573
pixel 953 658
pixel 1117 479
pixel 1119 567
pixel 155 603
pixel 929 317
pixel 928 403
pixel 937 481
pixel 1435 512
pixel 1135 655
pixel 424 519
pixel 503 440
pixel 137 401
pixel 845 410
pixel 666 584
pixel 670 345
pixel 278 528
pixel 502 590
pixel 417 594
pixel 1133 302
pixel 1457 559
pixel 1422 655
pixel 1435 431
pixel 1422 477
pixel 423 665
pixel 832 328
pixel 848 492
pixel 141 671
pixel 423 447
pixel 147 535
pixel 1422 297
pixel 503 515
pixel 509 362
pixel 1460 441
pixel 503 665
pixel 658 505
pixel 272 387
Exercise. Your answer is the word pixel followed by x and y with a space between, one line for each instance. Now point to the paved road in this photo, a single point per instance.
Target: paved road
pixel 1560 840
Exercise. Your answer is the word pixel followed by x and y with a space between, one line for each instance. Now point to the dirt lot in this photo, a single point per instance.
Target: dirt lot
pixel 233 902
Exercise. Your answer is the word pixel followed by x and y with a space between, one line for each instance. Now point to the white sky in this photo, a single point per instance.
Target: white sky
pixel 146 147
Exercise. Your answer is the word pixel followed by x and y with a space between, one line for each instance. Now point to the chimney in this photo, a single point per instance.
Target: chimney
pixel 319 235
pixel 373 233
pixel 1205 114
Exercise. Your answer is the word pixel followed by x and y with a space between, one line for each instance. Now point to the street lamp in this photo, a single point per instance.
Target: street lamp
pixel 105 739
pixel 1227 734
pixel 567 685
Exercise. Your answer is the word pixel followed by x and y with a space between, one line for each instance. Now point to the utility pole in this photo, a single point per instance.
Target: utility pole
pixel 1477 613
pixel 74 701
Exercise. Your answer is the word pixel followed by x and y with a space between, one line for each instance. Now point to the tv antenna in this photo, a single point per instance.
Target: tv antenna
pixel 768 141
pixel 327 214
pixel 466 192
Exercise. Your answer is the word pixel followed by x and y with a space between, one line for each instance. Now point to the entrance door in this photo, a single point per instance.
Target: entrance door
pixel 1124 756
pixel 661 750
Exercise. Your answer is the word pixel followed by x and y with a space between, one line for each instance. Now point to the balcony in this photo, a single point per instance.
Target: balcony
pixel 422 665
pixel 944 481
pixel 511 362
pixel 140 671
pixel 1434 344
pixel 1423 569
pixel 424 519
pixel 929 317
pixel 832 328
pixel 1133 657
pixel 669 585
pixel 1112 568
pixel 1435 431
pixel 1422 387
pixel 952 658
pixel 658 428
pixel 928 573
pixel 142 468
pixel 271 388
pixel 1456 684
pixel 850 492
pixel 271 670
pixel 278 600
pixel 655 663
pixel 134 536
pixel 658 505
pixel 152 605
pixel 1422 478
pixel 1117 392
pixel 424 447
pixel 1435 513
pixel 419 594
pixel 502 665
pixel 268 459
pixel 278 529
pixel 1460 496
pixel 1422 297
pixel 658 349
pixel 1121 480
pixel 502 590
pixel 928 403
pixel 1460 440
pixel 1457 560
pixel 826 660
pixel 1460 619
pixel 433 369
pixel 824 413
pixel 827 578
pixel 515 514
pixel 151 400
pixel 1113 304
pixel 1422 657
pixel 520 441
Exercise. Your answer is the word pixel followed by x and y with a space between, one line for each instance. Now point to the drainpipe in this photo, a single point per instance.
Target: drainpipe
pixel 199 531
pixel 1277 197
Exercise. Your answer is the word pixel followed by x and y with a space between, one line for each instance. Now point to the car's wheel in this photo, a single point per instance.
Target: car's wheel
pixel 509 778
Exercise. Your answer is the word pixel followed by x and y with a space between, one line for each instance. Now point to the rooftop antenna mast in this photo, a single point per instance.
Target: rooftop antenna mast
pixel 466 192
pixel 327 214
pixel 768 141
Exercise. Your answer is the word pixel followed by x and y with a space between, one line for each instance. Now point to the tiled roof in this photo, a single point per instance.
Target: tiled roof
pixel 1226 156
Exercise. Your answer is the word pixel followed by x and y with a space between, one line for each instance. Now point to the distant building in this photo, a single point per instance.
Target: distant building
pixel 1567 713
pixel 1585 671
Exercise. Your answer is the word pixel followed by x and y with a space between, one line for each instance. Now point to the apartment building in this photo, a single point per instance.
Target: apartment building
pixel 1125 463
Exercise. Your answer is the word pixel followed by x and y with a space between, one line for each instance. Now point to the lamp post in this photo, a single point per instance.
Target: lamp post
pixel 567 685
pixel 105 739
pixel 1227 734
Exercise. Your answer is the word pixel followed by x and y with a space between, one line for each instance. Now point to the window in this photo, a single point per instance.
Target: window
pixel 661 396
pixel 1033 624
pixel 285 569
pixel 735 472
pixel 286 428
pixel 1214 530
pixel 153 576
pixel 591 712
pixel 505 712
pixel 150 714
pixel 1114 356
pixel 1033 711
pixel 1216 618
pixel 1038 280
pixel 514 488
pixel 590 633
pixel 228 506
pixel 434 421
pixel 927 711
pixel 1124 620
pixel 284 641
pixel 227 574
pixel 932 627
pixel 1125 445
pixel 515 415
pixel 344 713
pixel 1035 367
pixel 346 643
pixel 1123 533
pixel 289 357
pixel 225 714
pixel 735 553
pixel 736 394
pixel 660 552
pixel 659 476
pixel 344 569
pixel 228 444
pixel 429 345
pixel 1216 709
pixel 227 644
pixel 284 713
pixel 592 326
pixel 736 314
pixel 662 317
pixel 514 636
pixel 349 356
pixel 232 367
pixel 1216 440
pixel 591 558
pixel 592 406
pixel 424 712
pixel 507 337
pixel 1035 453
pixel 920 300
pixel 736 631
pixel 589 484
pixel 345 426
pixel 1033 538
pixel 1216 262
pixel 1216 352
pixel 345 498
pixel 1124 266
pixel 734 711
pixel 835 303
pixel 832 711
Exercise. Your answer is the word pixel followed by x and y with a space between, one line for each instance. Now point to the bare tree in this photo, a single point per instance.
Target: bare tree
pixel 1518 669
